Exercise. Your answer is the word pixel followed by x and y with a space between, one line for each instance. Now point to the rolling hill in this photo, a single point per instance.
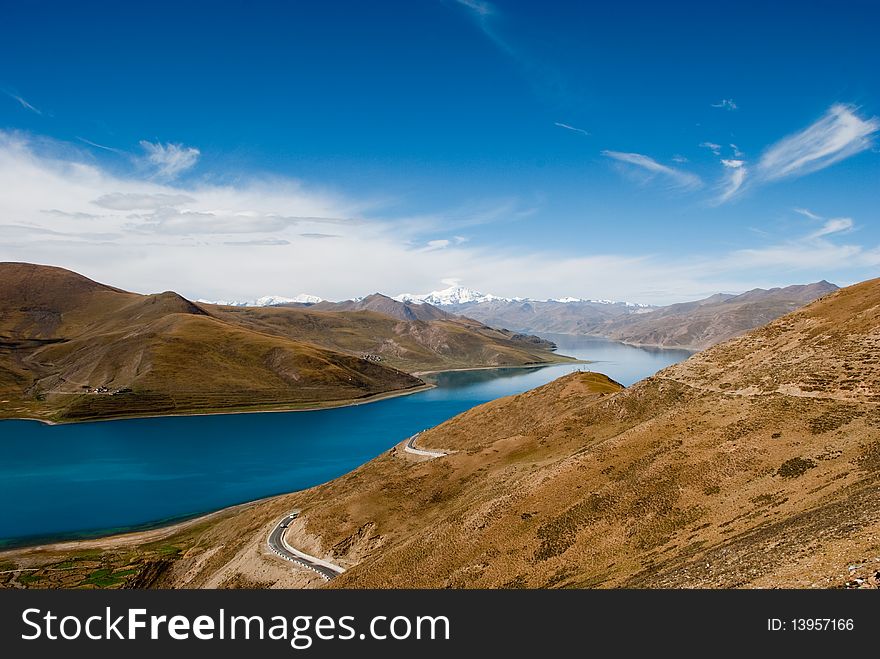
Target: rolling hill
pixel 75 349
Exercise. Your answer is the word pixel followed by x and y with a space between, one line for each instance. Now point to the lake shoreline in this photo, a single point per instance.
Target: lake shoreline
pixel 310 407
pixel 136 534
pixel 114 533
pixel 419 374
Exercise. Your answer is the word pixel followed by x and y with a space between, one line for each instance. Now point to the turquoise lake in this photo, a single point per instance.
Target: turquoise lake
pixel 89 479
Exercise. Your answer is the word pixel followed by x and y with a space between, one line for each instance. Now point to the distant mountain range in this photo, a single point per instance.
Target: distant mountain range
pixel 690 325
pixel 459 296
pixel 267 301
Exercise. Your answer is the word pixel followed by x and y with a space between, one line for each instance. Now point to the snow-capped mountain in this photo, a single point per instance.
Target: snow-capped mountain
pixel 450 296
pixel 457 295
pixel 267 301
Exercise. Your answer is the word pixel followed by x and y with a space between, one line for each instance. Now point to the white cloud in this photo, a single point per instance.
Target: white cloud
pixel 736 173
pixel 679 159
pixel 725 103
pixel 807 213
pixel 432 245
pixel 714 148
pixel 170 159
pixel 572 128
pixel 839 134
pixel 678 177
pixel 834 225
pixel 132 201
pixel 736 152
pixel 222 242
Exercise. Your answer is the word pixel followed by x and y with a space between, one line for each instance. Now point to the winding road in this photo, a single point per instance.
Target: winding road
pixel 410 448
pixel 277 543
pixel 325 569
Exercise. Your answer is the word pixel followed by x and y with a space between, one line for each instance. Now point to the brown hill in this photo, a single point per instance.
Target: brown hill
pixel 73 349
pixel 411 345
pixel 388 306
pixel 753 464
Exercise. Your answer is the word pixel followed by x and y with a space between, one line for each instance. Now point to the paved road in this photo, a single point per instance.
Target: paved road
pixel 410 448
pixel 278 544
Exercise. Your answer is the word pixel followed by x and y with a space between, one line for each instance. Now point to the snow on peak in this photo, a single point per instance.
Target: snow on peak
pixel 448 296
pixel 566 300
pixel 267 301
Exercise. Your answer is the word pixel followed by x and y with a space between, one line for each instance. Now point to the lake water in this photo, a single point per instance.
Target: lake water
pixel 88 479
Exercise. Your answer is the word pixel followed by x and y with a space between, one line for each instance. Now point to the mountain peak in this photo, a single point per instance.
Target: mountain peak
pixel 266 301
pixel 448 296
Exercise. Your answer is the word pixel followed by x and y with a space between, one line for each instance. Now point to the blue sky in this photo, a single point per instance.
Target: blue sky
pixel 652 152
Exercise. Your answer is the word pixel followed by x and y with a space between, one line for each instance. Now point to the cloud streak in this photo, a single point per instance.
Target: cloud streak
pixel 839 134
pixel 100 146
pixel 834 225
pixel 677 177
pixel 807 213
pixel 572 128
pixel 23 103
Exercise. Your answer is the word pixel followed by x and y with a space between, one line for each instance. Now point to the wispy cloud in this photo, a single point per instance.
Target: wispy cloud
pixel 477 6
pixel 319 236
pixel 170 160
pixel 726 104
pixel 679 159
pixel 714 148
pixel 807 213
pixel 432 245
pixel 677 177
pixel 736 152
pixel 735 176
pixel 568 127
pixel 100 146
pixel 265 242
pixel 22 102
pixel 493 22
pixel 839 134
pixel 830 226
pixel 136 201
pixel 834 225
pixel 484 14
